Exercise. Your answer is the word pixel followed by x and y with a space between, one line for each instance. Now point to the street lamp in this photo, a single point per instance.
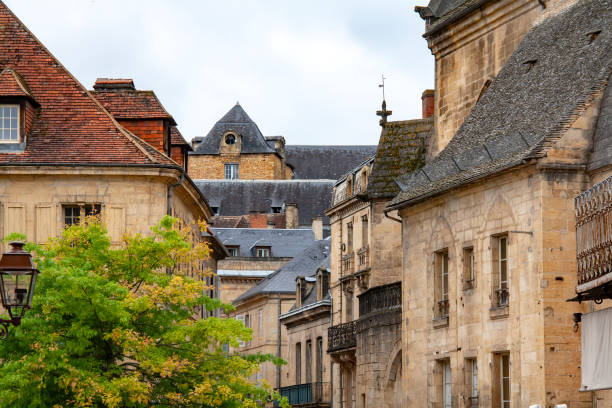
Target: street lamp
pixel 17 282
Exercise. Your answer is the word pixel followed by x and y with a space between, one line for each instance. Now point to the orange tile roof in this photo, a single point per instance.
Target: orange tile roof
pixel 71 127
pixel 125 103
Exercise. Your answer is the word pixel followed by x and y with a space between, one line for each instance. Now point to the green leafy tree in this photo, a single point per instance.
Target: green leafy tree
pixel 117 326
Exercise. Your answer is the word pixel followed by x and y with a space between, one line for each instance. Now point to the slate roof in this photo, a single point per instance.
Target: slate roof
pixel 325 162
pixel 445 12
pixel 547 82
pixel 238 121
pixel 125 103
pixel 401 148
pixel 602 141
pixel 283 280
pixel 71 127
pixel 239 197
pixel 284 243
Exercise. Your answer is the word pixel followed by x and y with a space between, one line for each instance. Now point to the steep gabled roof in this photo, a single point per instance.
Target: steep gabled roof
pixel 71 127
pixel 555 72
pixel 283 280
pixel 401 149
pixel 239 122
pixel 325 162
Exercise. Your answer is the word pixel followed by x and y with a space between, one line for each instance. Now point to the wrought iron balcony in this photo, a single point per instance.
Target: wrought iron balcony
pixel 380 298
pixel 348 263
pixel 342 336
pixel 501 297
pixel 442 308
pixel 364 257
pixel 594 235
pixel 306 394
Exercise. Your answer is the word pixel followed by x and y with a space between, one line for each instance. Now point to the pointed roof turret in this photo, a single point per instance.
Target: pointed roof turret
pixel 235 120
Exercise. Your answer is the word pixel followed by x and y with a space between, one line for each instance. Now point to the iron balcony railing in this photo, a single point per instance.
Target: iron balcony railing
pixel 594 232
pixel 342 336
pixel 364 257
pixel 348 263
pixel 380 298
pixel 501 297
pixel 317 392
pixel 443 308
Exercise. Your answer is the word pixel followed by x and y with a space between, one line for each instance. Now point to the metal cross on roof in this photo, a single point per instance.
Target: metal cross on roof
pixel 384 112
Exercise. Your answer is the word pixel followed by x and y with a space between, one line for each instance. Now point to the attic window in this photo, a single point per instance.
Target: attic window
pixel 230 139
pixel 9 123
pixel 262 252
pixel 529 64
pixel 276 210
pixel 593 35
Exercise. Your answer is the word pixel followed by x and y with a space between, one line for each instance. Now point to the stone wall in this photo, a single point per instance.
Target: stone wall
pixel 259 166
pixel 469 53
pixel 535 212
pixel 265 331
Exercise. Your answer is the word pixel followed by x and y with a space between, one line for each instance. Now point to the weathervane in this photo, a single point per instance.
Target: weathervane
pixel 384 112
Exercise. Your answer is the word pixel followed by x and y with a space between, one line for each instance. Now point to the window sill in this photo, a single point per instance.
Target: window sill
pixel 440 322
pixel 12 147
pixel 498 312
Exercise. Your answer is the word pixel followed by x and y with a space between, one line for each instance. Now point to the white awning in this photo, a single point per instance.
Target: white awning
pixel 597 350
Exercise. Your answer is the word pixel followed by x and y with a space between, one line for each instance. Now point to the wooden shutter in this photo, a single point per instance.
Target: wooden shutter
pixel 45 222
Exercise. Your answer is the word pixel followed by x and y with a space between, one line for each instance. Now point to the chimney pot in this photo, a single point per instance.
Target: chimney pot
pixel 292 216
pixel 428 103
pixel 317 228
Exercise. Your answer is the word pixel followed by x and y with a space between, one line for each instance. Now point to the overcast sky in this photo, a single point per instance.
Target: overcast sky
pixel 307 70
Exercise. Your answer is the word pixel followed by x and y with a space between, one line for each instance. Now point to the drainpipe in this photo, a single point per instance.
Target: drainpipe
pixel 386 212
pixel 170 188
pixel 278 351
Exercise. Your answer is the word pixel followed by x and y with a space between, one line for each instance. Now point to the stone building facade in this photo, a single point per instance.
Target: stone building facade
pixel 308 375
pixel 488 236
pixel 261 306
pixel 365 338
pixel 471 41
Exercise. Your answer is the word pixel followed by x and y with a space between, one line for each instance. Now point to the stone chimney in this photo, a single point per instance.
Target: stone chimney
pixel 317 228
pixel 104 84
pixel 428 103
pixel 291 214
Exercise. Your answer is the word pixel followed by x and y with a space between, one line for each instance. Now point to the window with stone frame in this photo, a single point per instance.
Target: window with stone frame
pixel 319 372
pixel 365 233
pixel 441 284
pixel 10 123
pixel 469 272
pixel 471 382
pixel 241 319
pixel 231 171
pixel 308 361
pixel 262 251
pixel 501 380
pixel 442 383
pixel 499 270
pixel 298 363
pixel 349 237
pixel 261 323
pixel 74 213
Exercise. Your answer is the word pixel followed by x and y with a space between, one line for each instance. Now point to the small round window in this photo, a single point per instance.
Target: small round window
pixel 230 139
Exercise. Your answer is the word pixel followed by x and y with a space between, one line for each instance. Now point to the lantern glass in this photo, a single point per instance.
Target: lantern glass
pixel 17 290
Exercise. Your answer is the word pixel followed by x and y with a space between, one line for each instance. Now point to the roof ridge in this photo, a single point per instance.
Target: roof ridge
pixel 73 78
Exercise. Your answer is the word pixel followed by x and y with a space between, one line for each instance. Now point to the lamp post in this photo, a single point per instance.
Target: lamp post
pixel 17 282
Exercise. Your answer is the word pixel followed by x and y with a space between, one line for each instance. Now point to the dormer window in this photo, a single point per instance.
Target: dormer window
pixel 9 123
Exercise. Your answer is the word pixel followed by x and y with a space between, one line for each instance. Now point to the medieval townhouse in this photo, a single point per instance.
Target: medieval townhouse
pixel 488 232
